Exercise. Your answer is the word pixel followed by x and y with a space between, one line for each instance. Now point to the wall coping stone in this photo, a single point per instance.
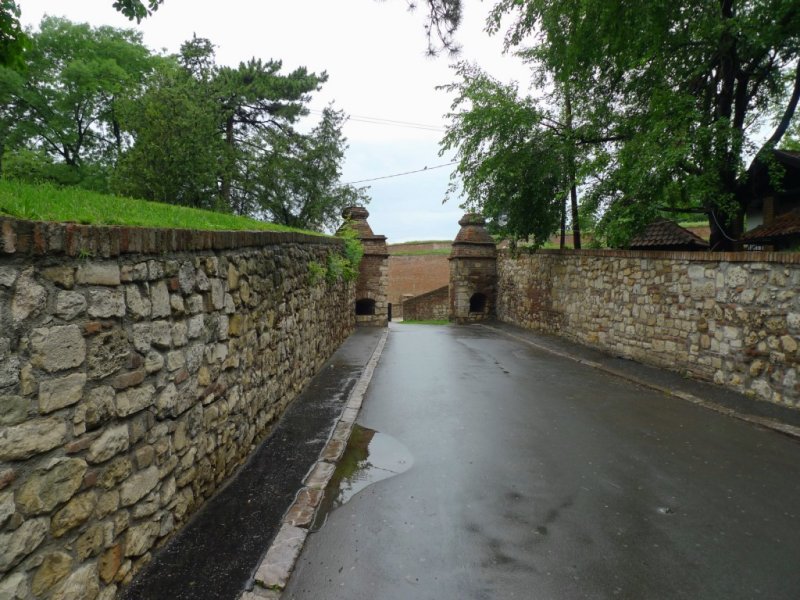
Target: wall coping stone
pixel 39 238
pixel 789 258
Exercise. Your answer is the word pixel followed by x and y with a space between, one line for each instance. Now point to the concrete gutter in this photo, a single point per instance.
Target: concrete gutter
pixel 276 567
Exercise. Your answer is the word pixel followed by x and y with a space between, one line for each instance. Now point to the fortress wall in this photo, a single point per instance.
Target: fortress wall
pixel 138 369
pixel 414 275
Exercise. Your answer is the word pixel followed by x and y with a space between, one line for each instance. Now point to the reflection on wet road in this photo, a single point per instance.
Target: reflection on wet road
pixel 370 456
pixel 539 478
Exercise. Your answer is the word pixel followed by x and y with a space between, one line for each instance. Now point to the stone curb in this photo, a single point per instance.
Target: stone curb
pixel 275 569
pixel 772 424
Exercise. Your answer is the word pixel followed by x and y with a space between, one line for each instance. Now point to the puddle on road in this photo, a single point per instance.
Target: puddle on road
pixel 370 456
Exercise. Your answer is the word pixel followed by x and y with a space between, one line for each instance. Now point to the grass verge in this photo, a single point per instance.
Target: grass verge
pixel 46 202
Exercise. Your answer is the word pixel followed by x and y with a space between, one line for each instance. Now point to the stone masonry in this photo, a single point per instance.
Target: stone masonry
pixel 372 306
pixel 138 369
pixel 731 318
pixel 473 272
pixel 431 306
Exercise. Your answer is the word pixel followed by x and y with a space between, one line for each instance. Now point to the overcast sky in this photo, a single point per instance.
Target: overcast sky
pixel 374 54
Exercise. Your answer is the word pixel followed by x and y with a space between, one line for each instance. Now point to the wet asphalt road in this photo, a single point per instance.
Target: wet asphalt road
pixel 536 477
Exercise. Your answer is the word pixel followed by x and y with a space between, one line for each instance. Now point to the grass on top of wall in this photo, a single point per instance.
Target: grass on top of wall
pixel 45 202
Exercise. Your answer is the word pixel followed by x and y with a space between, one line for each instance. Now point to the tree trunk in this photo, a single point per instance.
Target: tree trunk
pixel 563 223
pixel 228 167
pixel 573 191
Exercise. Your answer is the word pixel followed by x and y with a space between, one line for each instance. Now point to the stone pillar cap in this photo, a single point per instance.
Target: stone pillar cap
pixel 472 219
pixel 473 231
pixel 355 213
pixel 356 217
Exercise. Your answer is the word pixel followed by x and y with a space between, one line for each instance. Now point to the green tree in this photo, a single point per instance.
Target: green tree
pixel 298 179
pixel 136 9
pixel 65 103
pixel 512 165
pixel 224 138
pixel 256 98
pixel 686 87
pixel 177 149
pixel 14 41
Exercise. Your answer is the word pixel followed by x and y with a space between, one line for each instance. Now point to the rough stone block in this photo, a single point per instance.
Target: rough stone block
pixel 76 512
pixel 275 569
pixel 18 544
pixel 15 587
pixel 30 438
pixel 112 442
pixel 138 305
pixel 133 400
pixel 13 409
pixel 217 296
pixel 153 362
pixel 159 299
pixel 57 348
pixel 59 393
pixel 161 334
pixel 105 303
pixel 320 475
pixel 179 334
pixel 98 274
pixel 7 507
pixel 186 277
pixel 55 567
pixel 92 541
pixel 110 562
pixel 137 272
pixel 47 487
pixel 138 485
pixel 141 538
pixel 8 276
pixel 119 469
pixel 81 585
pixel 301 513
pixel 108 352
pixel 69 305
pixel 29 299
pixel 175 360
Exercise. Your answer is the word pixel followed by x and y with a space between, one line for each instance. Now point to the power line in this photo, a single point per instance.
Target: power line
pixel 390 122
pixel 401 174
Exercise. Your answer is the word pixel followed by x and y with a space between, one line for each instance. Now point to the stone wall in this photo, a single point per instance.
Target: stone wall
pixel 138 369
pixel 432 306
pixel 372 283
pixel 731 318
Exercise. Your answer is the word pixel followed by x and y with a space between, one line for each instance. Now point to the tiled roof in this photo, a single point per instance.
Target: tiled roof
pixel 666 234
pixel 784 225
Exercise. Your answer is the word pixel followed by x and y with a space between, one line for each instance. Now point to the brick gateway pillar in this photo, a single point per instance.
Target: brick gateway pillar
pixel 373 277
pixel 473 272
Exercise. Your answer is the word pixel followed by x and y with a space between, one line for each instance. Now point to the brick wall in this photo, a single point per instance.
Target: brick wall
pixel 731 318
pixel 415 275
pixel 138 369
